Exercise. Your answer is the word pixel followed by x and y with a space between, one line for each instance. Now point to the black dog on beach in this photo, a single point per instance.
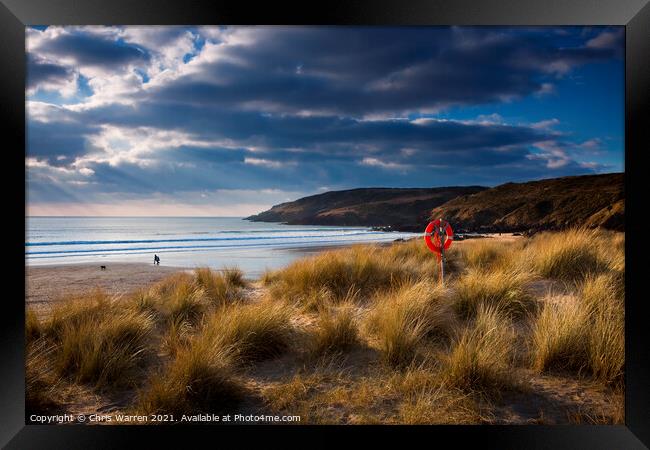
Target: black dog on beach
pixel 102 267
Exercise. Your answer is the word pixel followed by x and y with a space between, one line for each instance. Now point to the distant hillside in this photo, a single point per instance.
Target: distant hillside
pixel 400 208
pixel 590 200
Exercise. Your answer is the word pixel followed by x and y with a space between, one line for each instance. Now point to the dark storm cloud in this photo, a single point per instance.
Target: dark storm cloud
pixel 42 72
pixel 91 50
pixel 285 131
pixel 324 147
pixel 295 108
pixel 363 71
pixel 49 140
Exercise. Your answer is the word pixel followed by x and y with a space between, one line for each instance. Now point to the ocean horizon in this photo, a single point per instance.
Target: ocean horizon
pixel 189 242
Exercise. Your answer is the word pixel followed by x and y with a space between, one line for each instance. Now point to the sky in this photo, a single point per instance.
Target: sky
pixel 228 121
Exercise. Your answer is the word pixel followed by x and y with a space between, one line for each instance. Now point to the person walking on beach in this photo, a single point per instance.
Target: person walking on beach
pixel 156 260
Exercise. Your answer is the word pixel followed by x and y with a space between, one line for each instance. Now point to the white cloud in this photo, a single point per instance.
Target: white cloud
pixel 594 144
pixel 116 84
pixel 46 112
pixel 85 171
pixel 551 152
pixel 488 119
pixel 606 39
pixel 268 163
pixel 66 174
pixel 375 162
pixel 118 145
pixel 409 151
pixel 548 88
pixel 545 124
pixel 590 165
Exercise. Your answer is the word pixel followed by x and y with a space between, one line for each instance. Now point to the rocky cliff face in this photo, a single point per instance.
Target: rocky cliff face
pixel 400 209
pixel 590 200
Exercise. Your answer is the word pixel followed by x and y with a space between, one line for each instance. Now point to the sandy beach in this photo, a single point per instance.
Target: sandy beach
pixel 46 285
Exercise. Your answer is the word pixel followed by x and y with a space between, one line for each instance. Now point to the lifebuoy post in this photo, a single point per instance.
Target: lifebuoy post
pixel 438 236
pixel 442 235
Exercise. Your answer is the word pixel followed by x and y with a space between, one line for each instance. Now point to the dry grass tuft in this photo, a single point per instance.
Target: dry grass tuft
pixel 559 336
pixel 613 415
pixel 178 298
pixel 145 301
pixel 177 335
pixel 605 300
pixel 480 357
pixel 333 275
pixel 165 287
pixel 33 329
pixel 402 319
pixel 104 352
pixel 186 303
pixel 336 330
pixel 95 340
pixel 41 381
pixel 234 277
pixel 486 254
pixel 198 379
pixel 74 311
pixel 438 406
pixel 256 331
pixel 323 299
pixel 504 289
pixel 573 254
pixel 221 288
pixel 287 396
pixel 413 396
pixel 585 333
pixel 184 297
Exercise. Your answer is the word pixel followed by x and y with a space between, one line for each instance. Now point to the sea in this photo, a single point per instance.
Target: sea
pixel 187 242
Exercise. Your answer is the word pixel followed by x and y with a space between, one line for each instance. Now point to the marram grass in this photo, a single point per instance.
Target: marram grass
pixel 402 319
pixel 192 342
pixel 584 333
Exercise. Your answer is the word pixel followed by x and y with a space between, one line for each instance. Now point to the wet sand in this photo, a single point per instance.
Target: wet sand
pixel 46 285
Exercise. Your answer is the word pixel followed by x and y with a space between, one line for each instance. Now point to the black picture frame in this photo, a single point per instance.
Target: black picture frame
pixel 633 14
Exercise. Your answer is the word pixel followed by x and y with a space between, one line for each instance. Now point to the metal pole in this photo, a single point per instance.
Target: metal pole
pixel 442 236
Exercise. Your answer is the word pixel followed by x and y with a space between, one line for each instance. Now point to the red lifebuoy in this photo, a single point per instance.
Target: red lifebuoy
pixel 433 240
